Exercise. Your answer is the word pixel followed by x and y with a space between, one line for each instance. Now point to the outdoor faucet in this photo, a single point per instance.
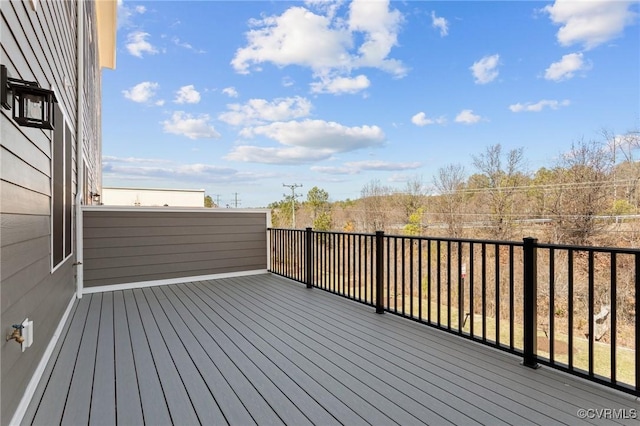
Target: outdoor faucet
pixel 17 334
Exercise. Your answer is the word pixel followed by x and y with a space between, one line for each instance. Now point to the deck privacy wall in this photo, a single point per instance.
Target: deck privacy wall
pixel 131 245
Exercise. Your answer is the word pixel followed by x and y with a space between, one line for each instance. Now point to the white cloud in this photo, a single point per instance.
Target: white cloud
pixel 467 116
pixel 305 141
pixel 590 23
pixel 421 119
pixel 230 91
pixel 160 170
pixel 271 155
pixel 271 41
pixel 378 165
pixel 333 170
pixel 111 158
pixel 287 81
pixel 257 111
pixel 485 70
pixel 141 92
pixel 340 85
pixel 319 134
pixel 380 27
pixel 538 106
pixel 566 68
pixel 325 43
pixel 126 14
pixel 356 167
pixel 186 45
pixel 440 23
pixel 329 7
pixel 137 44
pixel 192 127
pixel 187 95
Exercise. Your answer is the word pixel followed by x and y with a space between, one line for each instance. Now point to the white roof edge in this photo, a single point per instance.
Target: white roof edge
pixel 152 189
pixel 105 208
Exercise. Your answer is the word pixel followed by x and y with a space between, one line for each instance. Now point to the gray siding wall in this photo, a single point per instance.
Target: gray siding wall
pixel 35 45
pixel 130 245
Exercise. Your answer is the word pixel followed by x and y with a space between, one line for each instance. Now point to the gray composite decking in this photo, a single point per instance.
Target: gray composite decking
pixel 265 350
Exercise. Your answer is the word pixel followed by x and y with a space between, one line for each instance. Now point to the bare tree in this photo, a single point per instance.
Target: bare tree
pixel 502 184
pixel 581 192
pixel 412 198
pixel 374 200
pixel 449 183
pixel 626 171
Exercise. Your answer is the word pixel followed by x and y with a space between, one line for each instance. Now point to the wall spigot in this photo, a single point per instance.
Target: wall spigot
pixel 17 334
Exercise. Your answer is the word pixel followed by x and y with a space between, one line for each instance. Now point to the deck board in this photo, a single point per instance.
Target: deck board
pixel 127 392
pixel 79 397
pixel 175 394
pixel 266 350
pixel 152 398
pixel 104 387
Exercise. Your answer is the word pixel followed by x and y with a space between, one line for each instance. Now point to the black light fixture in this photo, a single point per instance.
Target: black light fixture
pixel 95 196
pixel 32 105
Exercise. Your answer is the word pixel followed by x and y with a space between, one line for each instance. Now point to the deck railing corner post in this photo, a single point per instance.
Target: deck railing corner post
pixel 308 257
pixel 379 272
pixel 530 259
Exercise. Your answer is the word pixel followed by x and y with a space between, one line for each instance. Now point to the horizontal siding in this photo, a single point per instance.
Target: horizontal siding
pixel 21 173
pixel 186 268
pixel 136 246
pixel 20 283
pixel 186 230
pixel 17 228
pixel 19 200
pixel 219 255
pixel 106 253
pixel 26 146
pixel 108 219
pixel 22 255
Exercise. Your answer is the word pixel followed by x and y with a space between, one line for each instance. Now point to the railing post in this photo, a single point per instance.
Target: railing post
pixel 379 272
pixel 308 257
pixel 530 258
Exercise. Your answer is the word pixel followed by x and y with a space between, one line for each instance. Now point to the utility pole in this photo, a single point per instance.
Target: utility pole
pixel 293 201
pixel 236 199
pixel 217 200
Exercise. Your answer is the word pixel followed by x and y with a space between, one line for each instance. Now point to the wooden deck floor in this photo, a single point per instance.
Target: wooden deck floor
pixel 266 350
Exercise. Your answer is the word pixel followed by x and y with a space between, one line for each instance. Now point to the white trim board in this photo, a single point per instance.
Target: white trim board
pixel 42 365
pixel 169 281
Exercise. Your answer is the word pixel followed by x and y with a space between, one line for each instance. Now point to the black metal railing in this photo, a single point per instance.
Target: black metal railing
pixel 538 301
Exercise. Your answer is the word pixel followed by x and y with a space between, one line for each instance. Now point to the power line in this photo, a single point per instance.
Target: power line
pixel 293 200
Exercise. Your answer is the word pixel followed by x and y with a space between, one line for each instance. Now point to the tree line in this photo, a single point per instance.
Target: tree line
pixel 589 195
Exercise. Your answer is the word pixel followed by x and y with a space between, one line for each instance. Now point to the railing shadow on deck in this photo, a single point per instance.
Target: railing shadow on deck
pixel 530 299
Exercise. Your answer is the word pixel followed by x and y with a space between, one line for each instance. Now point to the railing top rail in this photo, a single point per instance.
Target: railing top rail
pixel 458 240
pixel 619 250
pixel 363 234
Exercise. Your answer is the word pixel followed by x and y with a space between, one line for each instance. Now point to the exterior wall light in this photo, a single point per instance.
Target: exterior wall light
pixel 95 196
pixel 32 105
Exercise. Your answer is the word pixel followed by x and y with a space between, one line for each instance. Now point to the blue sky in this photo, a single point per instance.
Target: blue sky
pixel 243 96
